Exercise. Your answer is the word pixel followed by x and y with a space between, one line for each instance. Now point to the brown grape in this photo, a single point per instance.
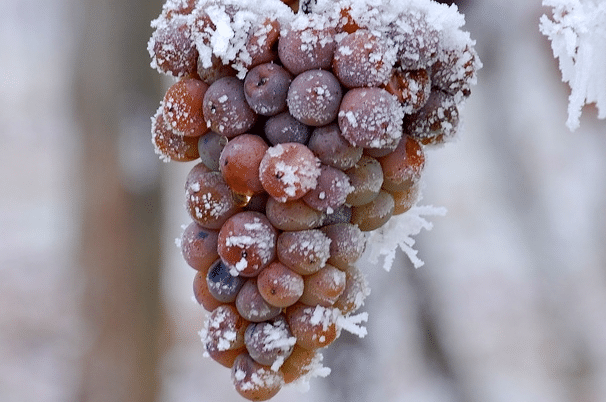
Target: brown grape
pixel 332 149
pixel 366 177
pixel 331 191
pixel 279 285
pixel 436 122
pixel 324 287
pixel 293 215
pixel 304 251
pixel 347 243
pixel 182 107
pixel 252 306
pixel 225 108
pixel 375 214
pixel 300 362
pixel 254 381
pixel 199 246
pixel 209 200
pixel 265 89
pixel 239 163
pixel 356 290
pixel 403 166
pixel 270 342
pixel 314 97
pixel 314 327
pixel 247 243
pixel 288 171
pixel 170 145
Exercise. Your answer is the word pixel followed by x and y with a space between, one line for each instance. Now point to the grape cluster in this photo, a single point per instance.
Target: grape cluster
pixel 309 129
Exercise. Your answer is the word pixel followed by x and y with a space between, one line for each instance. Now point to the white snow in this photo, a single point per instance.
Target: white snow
pixel 577 32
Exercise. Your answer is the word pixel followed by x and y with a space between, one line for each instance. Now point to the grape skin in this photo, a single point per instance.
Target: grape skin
pixel 279 285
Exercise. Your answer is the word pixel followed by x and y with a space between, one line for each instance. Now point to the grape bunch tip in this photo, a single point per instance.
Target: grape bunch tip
pixel 308 124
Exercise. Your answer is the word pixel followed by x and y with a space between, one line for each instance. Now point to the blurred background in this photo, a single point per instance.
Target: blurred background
pixel 95 299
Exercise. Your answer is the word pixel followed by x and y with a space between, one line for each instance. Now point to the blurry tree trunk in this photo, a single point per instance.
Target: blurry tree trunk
pixel 120 226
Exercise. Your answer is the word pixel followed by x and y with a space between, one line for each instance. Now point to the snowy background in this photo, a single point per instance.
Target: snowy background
pixel 95 300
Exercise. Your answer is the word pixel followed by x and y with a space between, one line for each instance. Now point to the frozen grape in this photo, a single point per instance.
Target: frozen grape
pixel 370 117
pixel 222 284
pixel 418 40
pixel 224 330
pixel 300 362
pixel 313 326
pixel 403 166
pixel 330 192
pixel 293 215
pixel 279 285
pixel 262 43
pixel 411 87
pixel 202 294
pixel 304 251
pixel 455 71
pixel 225 108
pixel 254 381
pixel 341 214
pixel 332 149
pixel 288 171
pixel 182 108
pixel 210 146
pixel 436 122
pixel 239 163
pixel 363 59
pixel 170 145
pixel 366 177
pixel 215 71
pixel 307 43
pixel 252 306
pixel 375 214
pixel 199 246
pixel 347 243
pixel 324 287
pixel 247 243
pixel 356 290
pixel 171 48
pixel 283 128
pixel 265 89
pixel 209 200
pixel 314 97
pixel 404 200
pixel 269 343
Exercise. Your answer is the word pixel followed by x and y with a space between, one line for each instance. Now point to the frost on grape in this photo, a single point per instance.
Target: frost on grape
pixel 397 233
pixel 577 32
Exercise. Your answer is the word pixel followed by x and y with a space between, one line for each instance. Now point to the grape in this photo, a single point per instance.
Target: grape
pixel 254 381
pixel 347 243
pixel 404 200
pixel 307 43
pixel 279 285
pixel 366 177
pixel 209 200
pixel 447 75
pixel 411 87
pixel 293 215
pixel 314 97
pixel 341 214
pixel 403 167
pixel 269 342
pixel 300 362
pixel 239 163
pixel 370 117
pixel 418 39
pixel 210 146
pixel 216 70
pixel 356 290
pixel 196 174
pixel 199 246
pixel 262 43
pixel 224 329
pixel 288 171
pixel 222 285
pixel 332 149
pixel 171 48
pixel 436 122
pixel 314 327
pixel 324 287
pixel 375 214
pixel 170 145
pixel 363 59
pixel 304 251
pixel 202 294
pixel 265 89
pixel 225 108
pixel 247 243
pixel 330 192
pixel 283 128
pixel 252 306
pixel 182 107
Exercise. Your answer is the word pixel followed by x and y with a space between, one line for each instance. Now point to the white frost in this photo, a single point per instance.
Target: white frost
pixel 578 39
